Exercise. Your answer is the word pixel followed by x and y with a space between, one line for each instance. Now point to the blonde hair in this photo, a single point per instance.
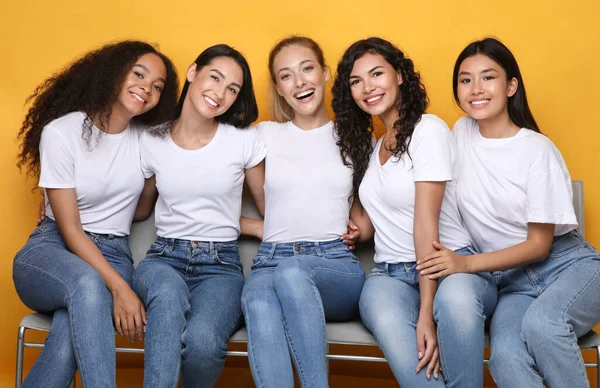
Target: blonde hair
pixel 281 111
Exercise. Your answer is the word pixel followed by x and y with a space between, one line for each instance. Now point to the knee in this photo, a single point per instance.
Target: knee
pixel 91 290
pixel 255 304
pixel 59 339
pixel 202 343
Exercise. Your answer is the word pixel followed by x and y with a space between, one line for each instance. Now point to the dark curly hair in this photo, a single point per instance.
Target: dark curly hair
pixel 244 110
pixel 91 84
pixel 355 126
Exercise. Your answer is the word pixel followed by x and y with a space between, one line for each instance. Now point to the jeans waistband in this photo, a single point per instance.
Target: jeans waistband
pixel 300 247
pixel 209 245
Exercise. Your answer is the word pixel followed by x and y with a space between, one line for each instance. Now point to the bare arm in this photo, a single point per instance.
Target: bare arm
pixel 428 204
pixel 251 227
pixel 147 200
pixel 362 221
pixel 536 248
pixel 129 311
pixel 255 177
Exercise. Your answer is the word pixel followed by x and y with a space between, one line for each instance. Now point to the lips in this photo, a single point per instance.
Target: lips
pixel 305 94
pixel 138 97
pixel 210 102
pixel 372 100
pixel 480 102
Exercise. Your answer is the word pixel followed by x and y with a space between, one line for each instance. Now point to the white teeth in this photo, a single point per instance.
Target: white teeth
pixel 211 102
pixel 480 102
pixel 305 93
pixel 374 98
pixel 138 97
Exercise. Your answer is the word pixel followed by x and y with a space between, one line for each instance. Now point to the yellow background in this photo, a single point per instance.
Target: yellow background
pixel 556 43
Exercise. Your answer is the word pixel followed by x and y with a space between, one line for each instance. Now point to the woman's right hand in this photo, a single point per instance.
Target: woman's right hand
pixel 129 313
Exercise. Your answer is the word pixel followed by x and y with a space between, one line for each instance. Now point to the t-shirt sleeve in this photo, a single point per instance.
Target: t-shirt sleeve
pixel 549 191
pixel 144 159
pixel 254 148
pixel 57 160
pixel 432 152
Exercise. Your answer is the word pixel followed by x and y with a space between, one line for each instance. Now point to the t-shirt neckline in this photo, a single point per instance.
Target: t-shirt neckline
pixel 183 150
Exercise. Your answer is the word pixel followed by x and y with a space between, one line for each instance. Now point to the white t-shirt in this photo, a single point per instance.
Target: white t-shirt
pixel 388 192
pixel 503 184
pixel 307 185
pixel 105 172
pixel 200 191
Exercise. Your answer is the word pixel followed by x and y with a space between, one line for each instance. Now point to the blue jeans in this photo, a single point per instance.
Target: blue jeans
pixel 389 307
pixel 192 292
pixel 292 290
pixel 462 305
pixel 542 309
pixel 51 279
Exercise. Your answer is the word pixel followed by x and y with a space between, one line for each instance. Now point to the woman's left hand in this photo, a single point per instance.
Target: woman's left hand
pixel 442 262
pixel 352 236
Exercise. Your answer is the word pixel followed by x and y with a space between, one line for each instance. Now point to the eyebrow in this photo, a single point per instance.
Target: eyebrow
pixel 368 72
pixel 223 76
pixel 148 71
pixel 300 64
pixel 481 72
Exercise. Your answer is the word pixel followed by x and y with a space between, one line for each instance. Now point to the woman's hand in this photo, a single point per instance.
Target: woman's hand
pixel 427 348
pixel 442 262
pixel 352 236
pixel 129 313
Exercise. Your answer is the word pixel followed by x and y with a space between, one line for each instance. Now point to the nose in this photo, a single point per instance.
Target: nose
pixel 367 86
pixel 146 87
pixel 300 81
pixel 477 87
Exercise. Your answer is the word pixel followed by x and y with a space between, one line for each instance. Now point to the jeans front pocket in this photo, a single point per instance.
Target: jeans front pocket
pixel 228 254
pixel 157 249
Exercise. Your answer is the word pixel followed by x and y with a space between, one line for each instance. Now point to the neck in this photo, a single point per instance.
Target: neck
pixel 191 124
pixel 316 120
pixel 498 127
pixel 118 122
pixel 389 118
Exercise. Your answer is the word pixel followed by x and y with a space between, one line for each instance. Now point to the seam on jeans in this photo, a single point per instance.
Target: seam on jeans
pixel 574 346
pixel 325 269
pixel 255 371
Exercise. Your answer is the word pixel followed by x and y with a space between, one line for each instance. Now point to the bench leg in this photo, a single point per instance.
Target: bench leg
pixel 72 383
pixel 327 359
pixel 598 366
pixel 20 348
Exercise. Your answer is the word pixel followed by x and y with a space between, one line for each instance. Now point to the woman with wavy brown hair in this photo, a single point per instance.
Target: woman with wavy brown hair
pixel 80 138
pixel 405 185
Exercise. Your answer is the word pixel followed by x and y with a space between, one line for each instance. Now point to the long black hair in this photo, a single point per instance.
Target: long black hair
pixel 355 126
pixel 242 112
pixel 518 108
pixel 91 84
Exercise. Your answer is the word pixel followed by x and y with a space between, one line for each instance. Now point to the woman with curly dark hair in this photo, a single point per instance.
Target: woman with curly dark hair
pixel 303 273
pixel 406 189
pixel 191 278
pixel 81 139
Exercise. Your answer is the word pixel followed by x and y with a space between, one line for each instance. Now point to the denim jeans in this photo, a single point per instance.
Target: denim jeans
pixel 389 307
pixel 462 305
pixel 292 290
pixel 542 309
pixel 51 279
pixel 192 293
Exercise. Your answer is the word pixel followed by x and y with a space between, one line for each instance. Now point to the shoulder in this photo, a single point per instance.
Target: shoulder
pixel 431 129
pixel 463 125
pixel 69 124
pixel 268 127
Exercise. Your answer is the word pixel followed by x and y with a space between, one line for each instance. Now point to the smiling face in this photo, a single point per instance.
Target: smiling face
pixel 483 89
pixel 374 84
pixel 143 85
pixel 214 88
pixel 300 79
